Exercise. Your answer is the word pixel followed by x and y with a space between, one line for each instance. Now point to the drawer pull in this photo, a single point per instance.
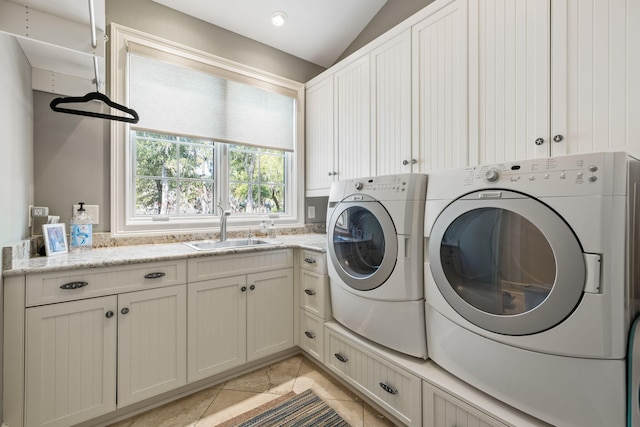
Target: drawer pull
pixel 124 310
pixel 74 285
pixel 310 335
pixel 154 275
pixel 310 260
pixel 309 292
pixel 389 389
pixel 341 358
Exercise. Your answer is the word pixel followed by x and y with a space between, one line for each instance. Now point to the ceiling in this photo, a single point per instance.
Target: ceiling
pixel 318 31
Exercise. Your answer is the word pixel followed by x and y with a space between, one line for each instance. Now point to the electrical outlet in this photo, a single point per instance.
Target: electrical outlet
pixel 92 210
pixel 311 212
pixel 40 211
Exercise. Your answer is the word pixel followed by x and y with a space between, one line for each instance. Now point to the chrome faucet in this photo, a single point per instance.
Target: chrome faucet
pixel 223 222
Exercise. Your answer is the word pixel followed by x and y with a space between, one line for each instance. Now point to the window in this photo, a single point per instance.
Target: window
pixel 210 132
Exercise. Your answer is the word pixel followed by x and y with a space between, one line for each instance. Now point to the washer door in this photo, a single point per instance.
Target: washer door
pixel 363 245
pixel 507 262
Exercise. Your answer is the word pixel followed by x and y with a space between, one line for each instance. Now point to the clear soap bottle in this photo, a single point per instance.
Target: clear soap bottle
pixel 81 230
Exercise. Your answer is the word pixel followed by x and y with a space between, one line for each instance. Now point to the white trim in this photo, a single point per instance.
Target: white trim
pixel 121 226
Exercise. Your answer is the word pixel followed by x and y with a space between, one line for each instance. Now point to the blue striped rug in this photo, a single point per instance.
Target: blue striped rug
pixel 302 410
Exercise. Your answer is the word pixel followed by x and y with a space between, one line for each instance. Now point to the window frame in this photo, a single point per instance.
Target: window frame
pixel 123 222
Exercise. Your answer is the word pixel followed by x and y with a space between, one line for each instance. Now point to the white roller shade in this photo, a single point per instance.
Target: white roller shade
pixel 184 97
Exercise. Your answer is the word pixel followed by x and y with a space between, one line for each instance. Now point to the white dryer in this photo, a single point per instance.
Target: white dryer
pixel 532 282
pixel 376 251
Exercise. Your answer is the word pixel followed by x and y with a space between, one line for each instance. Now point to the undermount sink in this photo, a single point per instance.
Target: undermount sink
pixel 211 245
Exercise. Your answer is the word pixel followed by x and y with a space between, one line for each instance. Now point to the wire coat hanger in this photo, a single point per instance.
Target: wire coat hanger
pixel 94 96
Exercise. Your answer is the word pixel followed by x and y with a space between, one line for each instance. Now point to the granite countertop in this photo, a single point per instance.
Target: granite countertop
pixel 123 255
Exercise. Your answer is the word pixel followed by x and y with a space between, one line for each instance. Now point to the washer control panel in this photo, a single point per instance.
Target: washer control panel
pixel 570 169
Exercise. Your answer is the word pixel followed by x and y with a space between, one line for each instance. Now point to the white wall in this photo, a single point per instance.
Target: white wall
pixel 16 150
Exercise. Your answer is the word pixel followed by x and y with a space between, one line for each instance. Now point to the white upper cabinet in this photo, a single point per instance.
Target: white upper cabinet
pixel 391 106
pixel 440 93
pixel 509 79
pixel 594 77
pixel 56 37
pixel 319 149
pixel 353 119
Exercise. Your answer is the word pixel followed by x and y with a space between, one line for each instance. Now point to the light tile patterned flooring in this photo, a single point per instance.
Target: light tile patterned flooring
pixel 221 402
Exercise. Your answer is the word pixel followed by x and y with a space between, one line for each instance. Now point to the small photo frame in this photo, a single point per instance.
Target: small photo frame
pixel 55 239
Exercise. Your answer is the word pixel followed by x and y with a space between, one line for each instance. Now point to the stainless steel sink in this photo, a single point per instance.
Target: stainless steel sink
pixel 212 245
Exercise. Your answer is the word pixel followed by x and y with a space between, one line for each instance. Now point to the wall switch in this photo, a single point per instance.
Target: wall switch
pixel 92 210
pixel 311 212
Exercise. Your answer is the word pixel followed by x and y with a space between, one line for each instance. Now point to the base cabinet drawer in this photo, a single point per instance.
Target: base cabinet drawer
pixel 312 335
pixel 395 389
pixel 441 409
pixel 315 294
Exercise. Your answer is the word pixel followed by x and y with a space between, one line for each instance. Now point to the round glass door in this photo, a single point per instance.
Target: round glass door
pixel 363 246
pixel 510 266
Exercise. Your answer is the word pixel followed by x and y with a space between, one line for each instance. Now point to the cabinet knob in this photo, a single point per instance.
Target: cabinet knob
pixel 406 162
pixel 341 358
pixel 333 173
pixel 310 335
pixel 109 314
pixel 309 292
pixel 539 141
pixel 310 260
pixel 124 310
pixel 154 275
pixel 558 138
pixel 243 289
pixel 389 389
pixel 252 287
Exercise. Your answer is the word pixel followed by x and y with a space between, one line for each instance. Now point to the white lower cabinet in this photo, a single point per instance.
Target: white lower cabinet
pixel 314 301
pixel 441 409
pixel 392 387
pixel 72 348
pixel 238 319
pixel 70 361
pixel 152 343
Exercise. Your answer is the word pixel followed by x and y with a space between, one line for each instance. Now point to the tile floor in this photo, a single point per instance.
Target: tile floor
pixel 221 402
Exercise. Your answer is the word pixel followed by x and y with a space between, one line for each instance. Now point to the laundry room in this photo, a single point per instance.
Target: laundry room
pixel 398 212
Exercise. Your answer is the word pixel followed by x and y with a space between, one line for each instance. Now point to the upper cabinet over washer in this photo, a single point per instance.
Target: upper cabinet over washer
pixel 56 37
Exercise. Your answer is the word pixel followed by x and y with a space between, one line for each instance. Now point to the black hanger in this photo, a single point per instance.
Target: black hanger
pixel 94 96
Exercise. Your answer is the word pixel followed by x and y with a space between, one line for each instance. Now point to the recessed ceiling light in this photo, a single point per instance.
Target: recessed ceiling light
pixel 278 18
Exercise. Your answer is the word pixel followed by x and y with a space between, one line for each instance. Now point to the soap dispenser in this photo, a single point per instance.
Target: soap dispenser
pixel 81 230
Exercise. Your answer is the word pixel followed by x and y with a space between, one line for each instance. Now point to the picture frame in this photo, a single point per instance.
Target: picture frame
pixel 55 239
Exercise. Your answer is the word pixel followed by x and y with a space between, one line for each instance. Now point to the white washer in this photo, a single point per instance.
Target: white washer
pixel 376 250
pixel 532 282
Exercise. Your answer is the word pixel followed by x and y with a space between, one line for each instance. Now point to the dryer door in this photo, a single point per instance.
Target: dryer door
pixel 363 246
pixel 506 262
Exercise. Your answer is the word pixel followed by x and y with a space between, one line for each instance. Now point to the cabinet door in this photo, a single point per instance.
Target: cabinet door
pixel 319 150
pixel 70 361
pixel 269 313
pixel 440 409
pixel 152 342
pixel 391 105
pixel 217 322
pixel 595 103
pixel 353 119
pixel 440 103
pixel 509 103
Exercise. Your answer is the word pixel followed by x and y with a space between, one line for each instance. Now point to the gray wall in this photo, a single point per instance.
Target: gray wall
pixel 16 148
pixel 391 14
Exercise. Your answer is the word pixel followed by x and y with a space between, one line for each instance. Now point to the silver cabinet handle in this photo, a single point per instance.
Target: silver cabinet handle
pixel 558 138
pixel 156 275
pixel 539 141
pixel 389 389
pixel 341 358
pixel 74 285
pixel 310 334
pixel 309 292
